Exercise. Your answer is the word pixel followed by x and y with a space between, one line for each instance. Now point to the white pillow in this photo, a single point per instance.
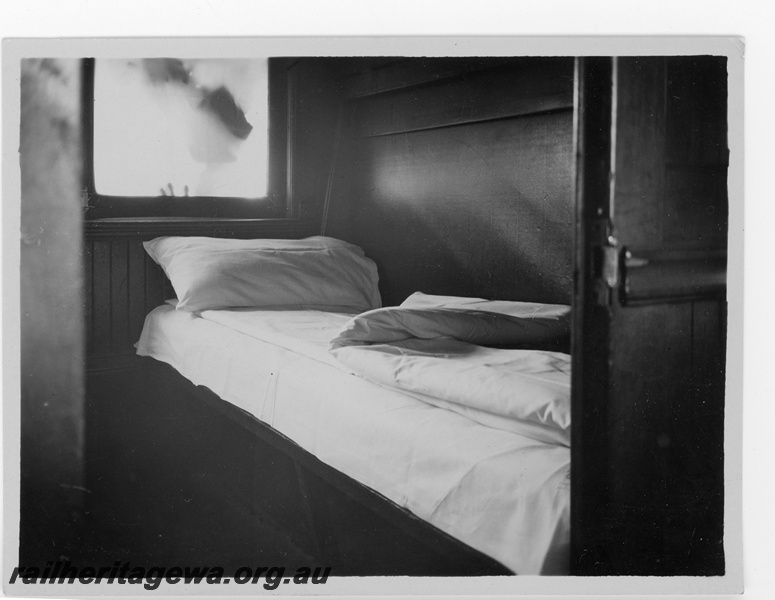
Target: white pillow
pixel 539 322
pixel 313 273
pixel 481 327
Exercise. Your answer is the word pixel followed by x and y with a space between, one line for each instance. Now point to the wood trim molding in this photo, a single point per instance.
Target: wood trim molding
pixel 405 73
pixel 594 134
pixel 527 108
pixel 468 91
pixel 149 228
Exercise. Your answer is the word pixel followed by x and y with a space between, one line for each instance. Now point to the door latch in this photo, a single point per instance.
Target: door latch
pixel 606 263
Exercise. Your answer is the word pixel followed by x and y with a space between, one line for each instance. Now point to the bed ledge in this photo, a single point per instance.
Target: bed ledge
pixel 150 227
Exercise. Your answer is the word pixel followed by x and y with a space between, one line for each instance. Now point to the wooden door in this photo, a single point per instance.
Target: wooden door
pixel 649 316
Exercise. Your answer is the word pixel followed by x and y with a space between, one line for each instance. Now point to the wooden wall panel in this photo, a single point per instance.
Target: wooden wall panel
pixel 709 328
pixel 471 97
pixel 381 75
pixel 136 290
pixel 697 159
pixel 695 93
pixel 662 447
pixel 676 170
pixel 115 305
pixel 101 324
pixel 87 296
pixel 648 379
pixel 124 284
pixel 640 147
pixel 480 210
pixel 153 284
pixel 119 295
pixel 646 432
pixel 462 185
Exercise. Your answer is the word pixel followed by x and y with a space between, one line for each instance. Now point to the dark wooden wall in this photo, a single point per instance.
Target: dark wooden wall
pixel 455 176
pixel 649 363
pixel 123 285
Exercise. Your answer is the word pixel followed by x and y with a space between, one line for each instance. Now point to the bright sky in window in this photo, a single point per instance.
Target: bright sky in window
pixel 194 127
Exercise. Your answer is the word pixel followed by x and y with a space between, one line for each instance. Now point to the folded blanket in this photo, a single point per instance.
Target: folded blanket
pixel 439 355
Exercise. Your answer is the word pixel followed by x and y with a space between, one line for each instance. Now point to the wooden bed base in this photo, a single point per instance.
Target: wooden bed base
pixel 332 517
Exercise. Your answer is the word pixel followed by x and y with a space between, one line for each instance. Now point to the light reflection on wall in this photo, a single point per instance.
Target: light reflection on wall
pixel 193 127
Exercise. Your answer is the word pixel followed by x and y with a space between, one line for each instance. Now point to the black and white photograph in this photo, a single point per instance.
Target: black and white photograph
pixel 310 315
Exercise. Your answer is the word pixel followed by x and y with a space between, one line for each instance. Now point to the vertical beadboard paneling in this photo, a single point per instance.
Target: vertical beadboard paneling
pixel 101 288
pixel 122 285
pixel 154 284
pixel 119 296
pixel 709 375
pixel 136 289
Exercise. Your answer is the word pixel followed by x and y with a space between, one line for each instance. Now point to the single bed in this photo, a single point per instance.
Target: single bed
pixel 500 490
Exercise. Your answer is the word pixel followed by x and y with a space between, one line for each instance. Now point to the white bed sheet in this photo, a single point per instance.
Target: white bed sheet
pixel 503 494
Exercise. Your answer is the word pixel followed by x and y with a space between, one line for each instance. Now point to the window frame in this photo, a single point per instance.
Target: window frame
pixel 276 203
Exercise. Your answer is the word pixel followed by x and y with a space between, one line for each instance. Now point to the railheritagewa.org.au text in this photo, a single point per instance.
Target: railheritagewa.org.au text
pixel 124 573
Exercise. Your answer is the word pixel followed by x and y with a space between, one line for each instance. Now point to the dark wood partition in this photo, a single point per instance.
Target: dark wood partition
pixel 455 176
pixel 649 353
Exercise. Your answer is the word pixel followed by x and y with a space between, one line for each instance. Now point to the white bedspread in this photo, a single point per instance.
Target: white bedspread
pixel 504 494
pixel 426 352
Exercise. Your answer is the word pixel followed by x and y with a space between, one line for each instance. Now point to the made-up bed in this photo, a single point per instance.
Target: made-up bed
pixel 456 411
